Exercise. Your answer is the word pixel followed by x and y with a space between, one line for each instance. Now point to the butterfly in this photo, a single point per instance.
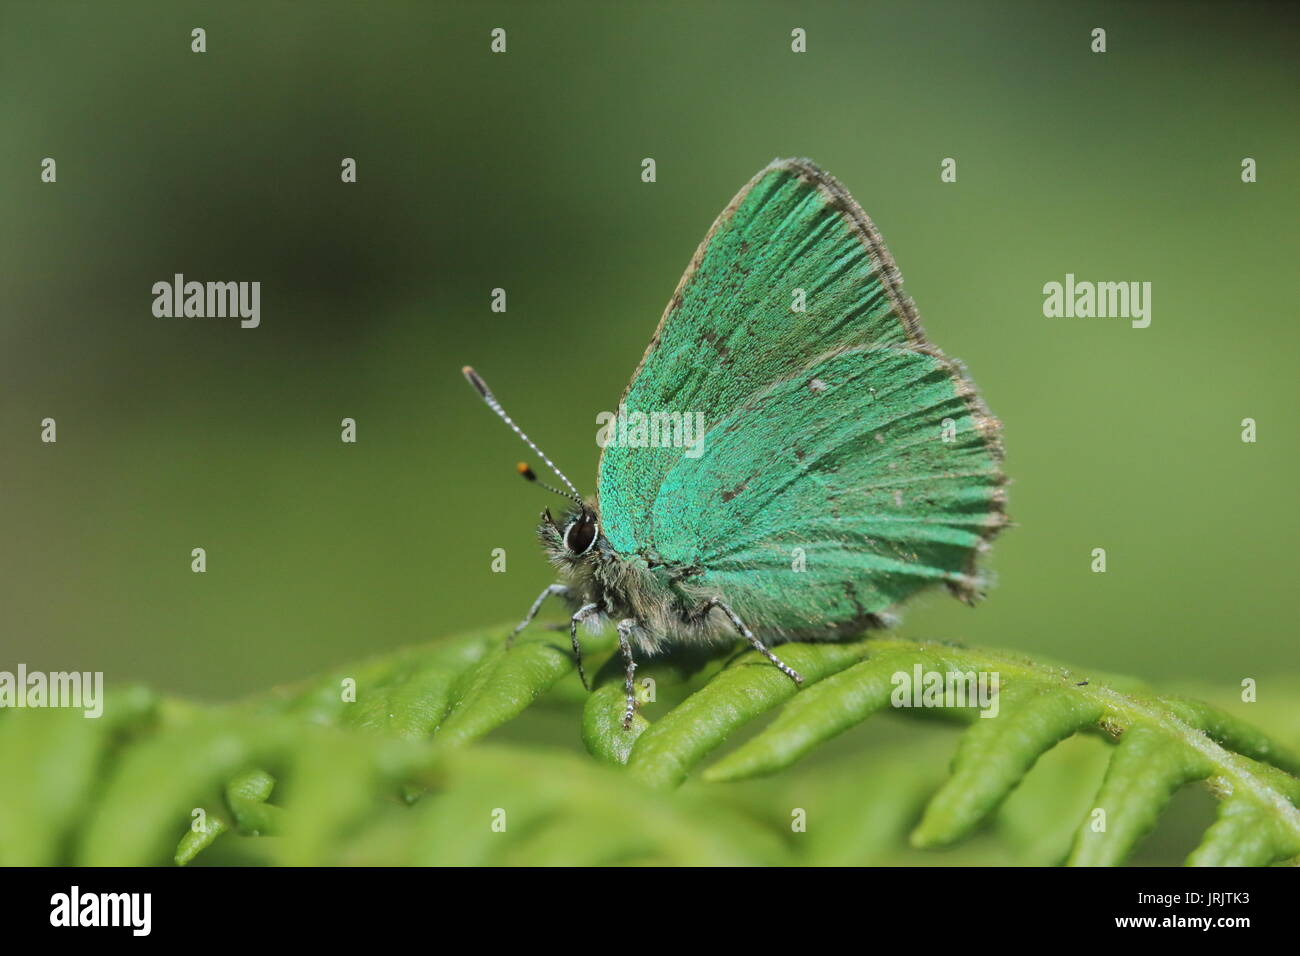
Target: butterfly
pixel 840 463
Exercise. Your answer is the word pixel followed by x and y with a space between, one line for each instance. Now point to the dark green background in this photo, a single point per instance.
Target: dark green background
pixel 522 171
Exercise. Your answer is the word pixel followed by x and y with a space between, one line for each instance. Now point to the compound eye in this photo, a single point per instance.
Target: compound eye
pixel 580 535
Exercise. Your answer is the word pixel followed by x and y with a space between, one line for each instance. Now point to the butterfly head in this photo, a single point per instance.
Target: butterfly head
pixel 573 539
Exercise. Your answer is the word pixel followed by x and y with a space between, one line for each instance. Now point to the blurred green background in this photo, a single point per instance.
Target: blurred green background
pixel 522 171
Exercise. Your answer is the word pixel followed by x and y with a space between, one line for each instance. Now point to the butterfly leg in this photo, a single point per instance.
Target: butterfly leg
pixel 625 628
pixel 579 616
pixel 559 590
pixel 748 635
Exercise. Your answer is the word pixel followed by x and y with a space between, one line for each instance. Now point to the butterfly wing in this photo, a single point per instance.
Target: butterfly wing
pixel 836 430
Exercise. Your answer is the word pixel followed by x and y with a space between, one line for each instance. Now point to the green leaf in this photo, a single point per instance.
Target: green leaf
pixel 995 755
pixel 819 713
pixel 370 764
pixel 54 760
pixel 665 753
pixel 1143 775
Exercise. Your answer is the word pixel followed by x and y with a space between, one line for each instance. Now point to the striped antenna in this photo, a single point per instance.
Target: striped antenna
pixel 492 403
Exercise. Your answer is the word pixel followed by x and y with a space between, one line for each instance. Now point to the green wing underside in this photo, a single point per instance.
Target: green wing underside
pixel 845 462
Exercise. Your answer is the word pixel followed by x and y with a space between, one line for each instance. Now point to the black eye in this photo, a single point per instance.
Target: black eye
pixel 580 535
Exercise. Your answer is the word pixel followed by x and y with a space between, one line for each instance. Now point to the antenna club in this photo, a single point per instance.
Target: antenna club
pixel 473 377
pixel 526 471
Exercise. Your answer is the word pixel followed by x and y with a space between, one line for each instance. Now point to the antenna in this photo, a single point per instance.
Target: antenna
pixel 527 472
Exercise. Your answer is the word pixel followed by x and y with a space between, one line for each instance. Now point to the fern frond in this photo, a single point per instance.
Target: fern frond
pixel 1162 744
pixel 369 763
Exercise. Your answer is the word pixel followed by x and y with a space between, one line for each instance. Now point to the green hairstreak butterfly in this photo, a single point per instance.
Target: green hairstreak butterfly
pixel 791 459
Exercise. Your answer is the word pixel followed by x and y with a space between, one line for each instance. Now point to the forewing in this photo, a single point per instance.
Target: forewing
pixel 730 330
